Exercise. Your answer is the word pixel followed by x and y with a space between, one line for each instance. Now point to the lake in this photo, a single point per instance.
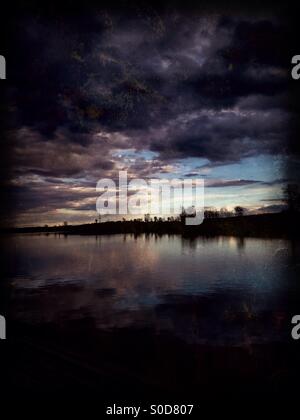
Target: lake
pixel 121 281
pixel 133 301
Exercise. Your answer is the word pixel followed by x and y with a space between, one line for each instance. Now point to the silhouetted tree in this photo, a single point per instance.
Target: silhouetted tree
pixel 239 211
pixel 292 197
pixel 224 212
pixel 211 214
pixel 182 215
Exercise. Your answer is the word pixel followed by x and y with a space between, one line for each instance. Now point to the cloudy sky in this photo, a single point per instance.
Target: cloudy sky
pixel 170 94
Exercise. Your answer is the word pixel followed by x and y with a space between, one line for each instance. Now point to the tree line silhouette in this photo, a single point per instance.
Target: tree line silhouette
pixel 216 222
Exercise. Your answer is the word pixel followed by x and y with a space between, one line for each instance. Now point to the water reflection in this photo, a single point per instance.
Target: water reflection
pixel 218 290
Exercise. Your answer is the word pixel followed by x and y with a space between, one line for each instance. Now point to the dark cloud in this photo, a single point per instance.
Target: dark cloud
pixel 231 183
pixel 181 85
pixel 273 208
pixel 140 72
pixel 224 136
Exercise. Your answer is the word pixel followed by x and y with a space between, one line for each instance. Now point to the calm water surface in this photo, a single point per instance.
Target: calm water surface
pixel 205 290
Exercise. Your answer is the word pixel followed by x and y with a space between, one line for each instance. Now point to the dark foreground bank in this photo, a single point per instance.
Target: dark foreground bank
pixel 78 363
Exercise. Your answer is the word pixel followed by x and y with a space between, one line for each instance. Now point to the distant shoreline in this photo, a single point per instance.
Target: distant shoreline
pixel 270 225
